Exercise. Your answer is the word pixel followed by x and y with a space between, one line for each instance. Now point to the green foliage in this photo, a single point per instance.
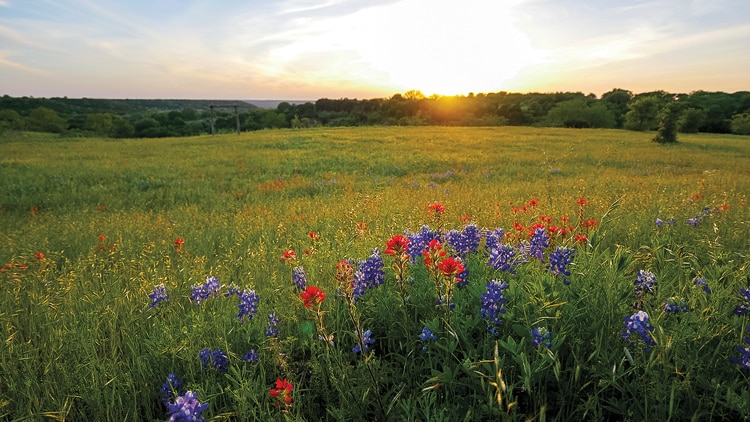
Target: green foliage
pixel 668 121
pixel 643 113
pixel 691 120
pixel 580 113
pixel 43 119
pixel 741 124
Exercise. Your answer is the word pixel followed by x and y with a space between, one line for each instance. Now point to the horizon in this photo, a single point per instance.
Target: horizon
pixel 366 49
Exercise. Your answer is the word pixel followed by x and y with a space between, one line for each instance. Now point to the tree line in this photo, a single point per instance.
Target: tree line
pixel 700 111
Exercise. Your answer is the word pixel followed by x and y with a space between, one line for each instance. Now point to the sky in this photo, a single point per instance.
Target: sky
pixel 306 50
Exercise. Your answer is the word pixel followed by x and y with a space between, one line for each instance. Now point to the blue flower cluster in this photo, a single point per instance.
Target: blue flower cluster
pixel 638 324
pixel 559 261
pixel 701 281
pixel 250 356
pixel 171 389
pixel 418 242
pixel 370 274
pixel 706 211
pixel 645 283
pixel 203 291
pixel 426 336
pixel 248 302
pixel 674 306
pixel 186 408
pixel 540 335
pixel 365 340
pixel 273 325
pixel 217 359
pixel 493 239
pixel 503 258
pixel 159 295
pixel 744 307
pixel 538 242
pixel 744 359
pixel 493 305
pixel 299 278
pixel 659 222
pixel 466 241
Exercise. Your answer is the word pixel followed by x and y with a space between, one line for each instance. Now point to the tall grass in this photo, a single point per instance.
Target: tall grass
pixel 88 229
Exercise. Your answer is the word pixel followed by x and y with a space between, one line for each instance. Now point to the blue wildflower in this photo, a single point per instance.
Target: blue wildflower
pixel 638 324
pixel 503 258
pixel 538 242
pixel 418 242
pixel 744 359
pixel 248 304
pixel 273 322
pixel 363 340
pixel 299 278
pixel 186 408
pixel 205 357
pixel 541 336
pixel 645 283
pixel 493 305
pixel 250 356
pixel 744 307
pixel 427 336
pixel 701 281
pixel 493 239
pixel 672 305
pixel 559 261
pixel 217 359
pixel 466 241
pixel 370 274
pixel 171 389
pixel 203 291
pixel 159 295
pixel 659 222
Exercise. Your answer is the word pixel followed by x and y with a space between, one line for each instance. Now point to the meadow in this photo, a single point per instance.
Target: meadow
pixel 382 273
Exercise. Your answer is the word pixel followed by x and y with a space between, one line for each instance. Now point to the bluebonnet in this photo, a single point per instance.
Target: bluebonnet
pixel 186 408
pixel 159 294
pixel 273 322
pixel 701 281
pixel 466 241
pixel 559 261
pixel 203 291
pixel 299 278
pixel 248 302
pixel 217 359
pixel 672 305
pixel 503 258
pixel 493 305
pixel 638 324
pixel 541 336
pixel 418 242
pixel 744 359
pixel 370 274
pixel 463 278
pixel 426 335
pixel 659 222
pixel 493 239
pixel 250 356
pixel 364 340
pixel 645 283
pixel 743 308
pixel 538 242
pixel 170 389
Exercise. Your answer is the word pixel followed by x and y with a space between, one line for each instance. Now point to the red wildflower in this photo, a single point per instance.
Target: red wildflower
pixel 451 267
pixel 314 235
pixel 437 208
pixel 465 218
pixel 397 245
pixel 546 219
pixel 581 238
pixel 102 238
pixel 723 207
pixel 591 223
pixel 533 203
pixel 564 218
pixel 312 296
pixel 282 392
pixel 434 250
pixel 582 202
pixel 288 255
pixel 39 255
pixel 34 210
pixel 179 244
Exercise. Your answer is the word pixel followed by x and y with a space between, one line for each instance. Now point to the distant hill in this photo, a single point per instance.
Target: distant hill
pixel 67 105
pixel 275 103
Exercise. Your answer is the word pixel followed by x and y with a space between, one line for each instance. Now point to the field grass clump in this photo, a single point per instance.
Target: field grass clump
pixel 376 274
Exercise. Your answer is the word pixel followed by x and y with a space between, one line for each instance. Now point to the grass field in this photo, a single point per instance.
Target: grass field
pixel 89 228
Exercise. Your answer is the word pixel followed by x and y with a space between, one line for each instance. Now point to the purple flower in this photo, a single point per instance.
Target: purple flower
pixel 186 408
pixel 503 258
pixel 217 359
pixel 744 359
pixel 493 239
pixel 299 278
pixel 365 340
pixel 671 305
pixel 203 291
pixel 659 222
pixel 426 336
pixel 465 242
pixel 205 357
pixel 538 242
pixel 370 274
pixel 248 305
pixel 273 322
pixel 418 242
pixel 250 356
pixel 638 324
pixel 541 336
pixel 744 307
pixel 170 389
pixel 493 305
pixel 701 281
pixel 159 295
pixel 559 261
pixel 645 283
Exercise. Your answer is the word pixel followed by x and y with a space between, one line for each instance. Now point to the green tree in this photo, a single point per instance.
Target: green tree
pixel 741 124
pixel 580 113
pixel 99 123
pixel 43 119
pixel 10 120
pixel 691 120
pixel 668 119
pixel 617 102
pixel 643 113
pixel 121 128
